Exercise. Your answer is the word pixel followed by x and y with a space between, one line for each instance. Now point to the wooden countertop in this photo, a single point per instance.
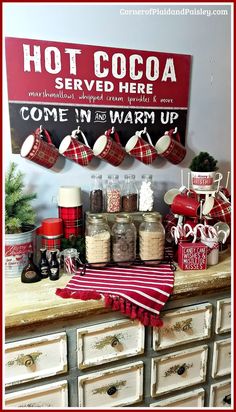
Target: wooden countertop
pixel 27 304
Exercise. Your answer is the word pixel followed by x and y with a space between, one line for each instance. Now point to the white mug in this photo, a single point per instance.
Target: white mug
pixel 205 180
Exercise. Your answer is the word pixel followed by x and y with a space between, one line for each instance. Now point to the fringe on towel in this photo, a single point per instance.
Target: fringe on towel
pixel 115 303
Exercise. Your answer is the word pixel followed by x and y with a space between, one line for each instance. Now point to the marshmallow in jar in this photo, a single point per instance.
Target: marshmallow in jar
pixel 146 194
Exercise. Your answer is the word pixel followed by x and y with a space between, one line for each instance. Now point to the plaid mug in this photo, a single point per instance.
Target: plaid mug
pixel 169 147
pixel 221 211
pixel 72 148
pixel 108 149
pixel 140 149
pixel 38 148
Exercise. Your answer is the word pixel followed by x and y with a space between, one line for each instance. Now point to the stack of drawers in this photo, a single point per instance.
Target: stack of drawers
pixel 203 361
pixel 194 365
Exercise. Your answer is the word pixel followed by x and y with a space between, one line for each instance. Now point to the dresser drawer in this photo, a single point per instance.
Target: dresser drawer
pixel 54 395
pixel 223 316
pixel 183 325
pixel 36 358
pixel 193 399
pixel 109 341
pixel 221 358
pixel 220 394
pixel 112 387
pixel 178 370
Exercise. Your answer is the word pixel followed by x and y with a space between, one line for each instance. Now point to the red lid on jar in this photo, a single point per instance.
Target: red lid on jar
pixel 52 226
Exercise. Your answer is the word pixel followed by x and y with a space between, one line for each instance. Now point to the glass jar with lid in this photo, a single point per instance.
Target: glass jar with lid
pixel 113 194
pixel 96 194
pixel 151 238
pixel 146 194
pixel 123 240
pixel 97 241
pixel 129 194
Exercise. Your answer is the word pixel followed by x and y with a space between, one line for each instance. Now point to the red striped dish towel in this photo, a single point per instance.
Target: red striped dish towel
pixel 140 292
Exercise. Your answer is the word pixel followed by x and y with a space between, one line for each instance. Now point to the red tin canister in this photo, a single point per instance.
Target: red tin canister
pixel 51 231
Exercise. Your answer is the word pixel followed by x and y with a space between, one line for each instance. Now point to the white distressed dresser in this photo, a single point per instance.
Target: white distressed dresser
pixel 63 353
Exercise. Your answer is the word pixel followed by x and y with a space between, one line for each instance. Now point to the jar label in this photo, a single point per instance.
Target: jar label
pixel 30 274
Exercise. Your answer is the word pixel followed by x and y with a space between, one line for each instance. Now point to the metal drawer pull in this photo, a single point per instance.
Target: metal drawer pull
pixel 111 391
pixel 115 342
pixel 28 361
pixel 227 399
pixel 181 370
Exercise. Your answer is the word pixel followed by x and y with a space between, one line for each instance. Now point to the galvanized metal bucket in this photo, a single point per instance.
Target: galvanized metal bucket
pixel 17 247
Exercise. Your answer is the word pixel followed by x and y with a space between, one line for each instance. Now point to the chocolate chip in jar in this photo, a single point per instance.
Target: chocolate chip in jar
pixel 123 240
pixel 96 194
pixel 129 194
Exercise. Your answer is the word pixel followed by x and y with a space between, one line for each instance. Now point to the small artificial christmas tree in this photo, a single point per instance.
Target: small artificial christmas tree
pixel 18 210
pixel 203 163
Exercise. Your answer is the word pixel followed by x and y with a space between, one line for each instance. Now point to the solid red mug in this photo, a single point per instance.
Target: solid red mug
pixel 185 205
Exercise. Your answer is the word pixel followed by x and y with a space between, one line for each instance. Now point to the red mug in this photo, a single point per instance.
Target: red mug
pixel 185 205
pixel 42 152
pixel 108 149
pixel 72 148
pixel 170 147
pixel 140 149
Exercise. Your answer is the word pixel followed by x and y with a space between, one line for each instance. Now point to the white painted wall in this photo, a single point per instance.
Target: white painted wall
pixel 206 38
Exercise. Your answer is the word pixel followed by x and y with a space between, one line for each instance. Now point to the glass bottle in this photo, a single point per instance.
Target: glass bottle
pixel 30 273
pixel 123 240
pixel 96 194
pixel 54 265
pixel 146 194
pixel 44 267
pixel 129 194
pixel 113 194
pixel 97 241
pixel 151 238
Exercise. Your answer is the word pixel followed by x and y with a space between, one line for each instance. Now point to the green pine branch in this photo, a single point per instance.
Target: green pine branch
pixel 203 162
pixel 18 209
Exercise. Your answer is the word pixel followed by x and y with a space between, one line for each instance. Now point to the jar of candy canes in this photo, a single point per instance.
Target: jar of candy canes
pixel 113 194
pixel 146 194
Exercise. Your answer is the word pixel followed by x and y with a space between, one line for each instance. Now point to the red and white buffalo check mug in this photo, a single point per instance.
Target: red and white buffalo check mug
pixel 108 147
pixel 170 147
pixel 38 150
pixel 72 148
pixel 140 149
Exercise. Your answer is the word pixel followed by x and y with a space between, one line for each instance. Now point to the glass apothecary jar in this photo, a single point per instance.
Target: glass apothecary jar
pixel 113 194
pixel 129 193
pixel 146 194
pixel 96 194
pixel 151 238
pixel 123 240
pixel 97 241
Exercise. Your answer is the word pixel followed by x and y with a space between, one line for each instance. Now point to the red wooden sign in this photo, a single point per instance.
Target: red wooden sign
pixel 192 256
pixel 63 85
